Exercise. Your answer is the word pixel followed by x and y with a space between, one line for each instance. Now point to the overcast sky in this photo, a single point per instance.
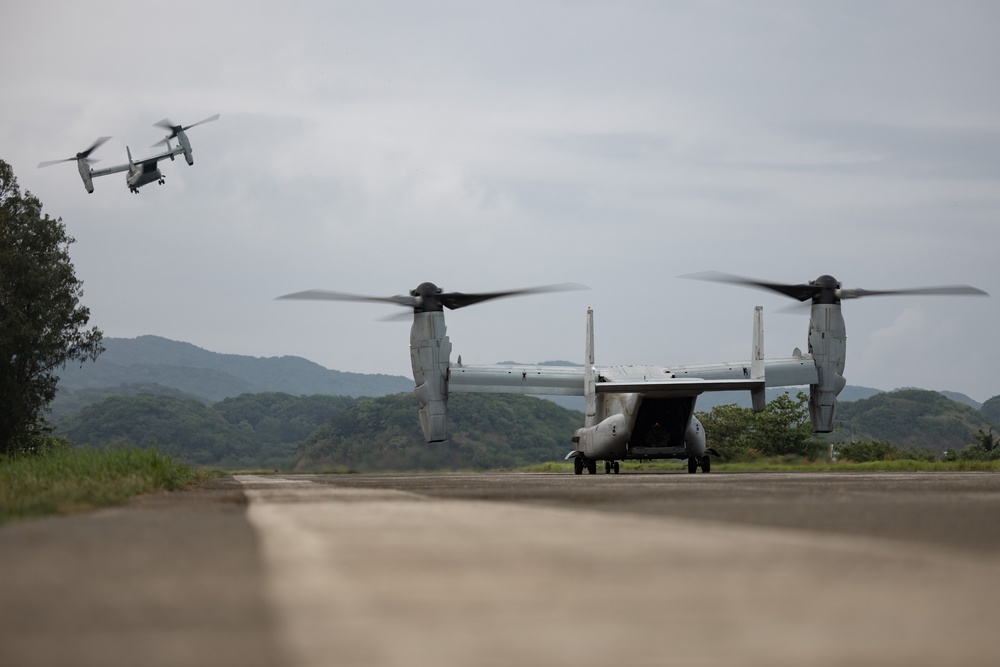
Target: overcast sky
pixel 370 146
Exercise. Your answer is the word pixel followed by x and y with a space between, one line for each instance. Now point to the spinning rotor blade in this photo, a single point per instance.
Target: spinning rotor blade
pixel 946 290
pixel 84 154
pixel 326 295
pixel 49 163
pixel 455 300
pixel 174 129
pixel 826 289
pixel 428 297
pixel 797 292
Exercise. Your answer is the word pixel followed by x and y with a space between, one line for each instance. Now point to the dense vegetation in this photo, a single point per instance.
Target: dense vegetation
pixel 280 430
pixel 782 429
pixel 277 430
pixel 911 418
pixel 247 431
pixel 486 431
pixel 910 424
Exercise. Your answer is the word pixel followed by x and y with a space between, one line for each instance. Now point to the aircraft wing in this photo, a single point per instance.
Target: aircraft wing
pixel 782 372
pixel 674 380
pixel 677 386
pixel 503 379
pixel 150 162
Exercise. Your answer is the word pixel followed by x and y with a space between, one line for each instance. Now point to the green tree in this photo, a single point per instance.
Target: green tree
pixel 987 440
pixel 42 323
pixel 985 448
pixel 184 428
pixel 783 428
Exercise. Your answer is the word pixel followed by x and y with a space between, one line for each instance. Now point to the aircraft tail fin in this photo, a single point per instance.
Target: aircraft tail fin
pixel 757 360
pixel 590 373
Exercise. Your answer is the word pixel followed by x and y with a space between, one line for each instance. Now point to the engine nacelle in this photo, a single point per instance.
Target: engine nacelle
pixel 828 346
pixel 182 139
pixel 430 351
pixel 84 169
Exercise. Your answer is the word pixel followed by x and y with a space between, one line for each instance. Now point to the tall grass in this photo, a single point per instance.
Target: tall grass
pixel 65 480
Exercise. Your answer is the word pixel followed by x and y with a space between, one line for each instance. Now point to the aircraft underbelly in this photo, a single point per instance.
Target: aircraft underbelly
pixel 145 177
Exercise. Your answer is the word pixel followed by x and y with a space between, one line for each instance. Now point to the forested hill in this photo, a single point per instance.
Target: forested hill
pixel 282 431
pixel 213 376
pixel 485 431
pixel 913 418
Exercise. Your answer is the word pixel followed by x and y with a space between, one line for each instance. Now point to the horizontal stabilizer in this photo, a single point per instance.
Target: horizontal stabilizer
pixel 679 386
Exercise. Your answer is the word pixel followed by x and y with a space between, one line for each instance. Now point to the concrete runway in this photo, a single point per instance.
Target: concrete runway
pixel 501 569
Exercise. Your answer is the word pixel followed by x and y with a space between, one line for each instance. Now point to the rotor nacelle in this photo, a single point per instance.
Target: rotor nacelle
pixel 430 349
pixel 182 139
pixel 85 174
pixel 828 347
pixel 83 162
pixel 827 332
pixel 430 355
pixel 178 132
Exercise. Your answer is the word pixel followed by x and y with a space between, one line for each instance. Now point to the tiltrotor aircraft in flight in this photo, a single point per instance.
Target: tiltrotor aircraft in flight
pixel 634 412
pixel 142 171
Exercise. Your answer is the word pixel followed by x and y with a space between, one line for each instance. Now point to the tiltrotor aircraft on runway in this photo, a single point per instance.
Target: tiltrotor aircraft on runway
pixel 634 412
pixel 140 172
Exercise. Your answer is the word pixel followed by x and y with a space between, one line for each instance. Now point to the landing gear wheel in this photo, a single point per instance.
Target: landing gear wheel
pixel 578 465
pixel 693 465
pixel 592 467
pixel 706 463
pixel 607 467
pixel 615 467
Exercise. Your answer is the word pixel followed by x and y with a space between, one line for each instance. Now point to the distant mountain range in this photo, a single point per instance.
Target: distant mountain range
pixel 153 364
pixel 211 376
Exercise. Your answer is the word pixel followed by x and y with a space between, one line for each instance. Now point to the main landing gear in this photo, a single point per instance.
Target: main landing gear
pixel 695 462
pixel 579 463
